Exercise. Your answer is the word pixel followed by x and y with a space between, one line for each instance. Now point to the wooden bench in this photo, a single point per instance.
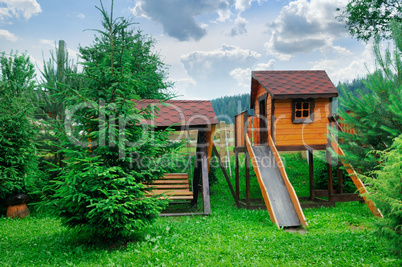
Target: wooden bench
pixel 174 185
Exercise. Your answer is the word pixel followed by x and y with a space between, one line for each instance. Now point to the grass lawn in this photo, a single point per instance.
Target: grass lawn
pixel 339 236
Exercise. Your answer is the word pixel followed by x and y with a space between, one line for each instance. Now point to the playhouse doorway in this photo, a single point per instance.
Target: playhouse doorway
pixel 263 121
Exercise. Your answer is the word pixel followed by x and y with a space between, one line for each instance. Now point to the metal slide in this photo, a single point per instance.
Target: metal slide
pixel 279 196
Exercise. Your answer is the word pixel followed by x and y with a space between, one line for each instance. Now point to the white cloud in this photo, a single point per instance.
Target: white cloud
pixel 80 15
pixel 304 26
pixel 214 72
pixel 8 35
pixel 224 15
pixel 180 86
pixel 266 66
pixel 201 64
pixel 242 5
pixel 47 42
pixel 242 77
pixel 19 8
pixel 349 66
pixel 240 26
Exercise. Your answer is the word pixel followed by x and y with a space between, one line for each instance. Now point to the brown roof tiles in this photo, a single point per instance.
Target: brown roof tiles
pixel 180 112
pixel 294 84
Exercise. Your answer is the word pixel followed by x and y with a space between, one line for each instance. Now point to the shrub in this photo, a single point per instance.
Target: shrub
pixel 17 150
pixel 385 186
pixel 321 175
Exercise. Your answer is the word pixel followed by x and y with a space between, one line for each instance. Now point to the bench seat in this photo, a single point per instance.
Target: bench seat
pixel 174 185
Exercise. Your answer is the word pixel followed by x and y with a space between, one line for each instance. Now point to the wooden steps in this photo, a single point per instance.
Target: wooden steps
pixel 174 186
pixel 358 183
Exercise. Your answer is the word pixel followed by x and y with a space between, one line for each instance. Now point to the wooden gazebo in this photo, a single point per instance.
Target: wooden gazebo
pixel 183 115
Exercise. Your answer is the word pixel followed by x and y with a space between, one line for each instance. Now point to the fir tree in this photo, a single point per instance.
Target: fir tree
pixel 18 161
pixel 58 73
pixel 108 154
pixel 377 115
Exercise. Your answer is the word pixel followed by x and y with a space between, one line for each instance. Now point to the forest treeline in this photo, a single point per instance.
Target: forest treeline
pixel 227 107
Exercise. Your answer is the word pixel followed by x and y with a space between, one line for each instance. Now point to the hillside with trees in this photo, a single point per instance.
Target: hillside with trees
pixel 227 107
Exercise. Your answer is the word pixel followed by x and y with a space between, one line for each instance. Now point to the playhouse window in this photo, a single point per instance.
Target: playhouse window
pixel 303 110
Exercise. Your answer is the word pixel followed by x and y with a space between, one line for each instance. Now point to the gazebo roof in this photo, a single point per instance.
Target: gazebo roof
pixel 180 113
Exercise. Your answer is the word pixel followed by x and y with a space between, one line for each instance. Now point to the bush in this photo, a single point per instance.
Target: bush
pixel 17 150
pixel 386 192
pixel 321 175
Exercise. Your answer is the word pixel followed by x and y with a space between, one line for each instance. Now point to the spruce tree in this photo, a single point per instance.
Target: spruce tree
pixel 108 153
pixel 18 163
pixel 58 73
pixel 376 116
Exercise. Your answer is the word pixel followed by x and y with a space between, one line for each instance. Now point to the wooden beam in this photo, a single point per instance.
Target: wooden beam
pixel 225 174
pixel 329 175
pixel 240 149
pixel 237 175
pixel 358 183
pixel 205 183
pixel 247 169
pixel 300 147
pixel 210 133
pixel 339 173
pixel 197 166
pixel 196 179
pixel 311 173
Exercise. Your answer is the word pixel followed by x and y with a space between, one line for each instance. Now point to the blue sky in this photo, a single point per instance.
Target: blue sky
pixel 210 46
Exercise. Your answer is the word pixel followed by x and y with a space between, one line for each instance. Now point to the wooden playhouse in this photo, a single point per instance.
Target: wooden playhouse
pixel 292 112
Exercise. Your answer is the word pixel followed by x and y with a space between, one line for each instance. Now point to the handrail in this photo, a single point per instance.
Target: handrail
pixel 358 183
pixel 332 118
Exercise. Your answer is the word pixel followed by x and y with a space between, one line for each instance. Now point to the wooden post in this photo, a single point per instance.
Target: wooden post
pixel 201 171
pixel 197 165
pixel 247 167
pixel 205 183
pixel 311 173
pixel 340 179
pixel 210 133
pixel 329 172
pixel 237 175
pixel 196 175
pixel 225 174
pixel 222 143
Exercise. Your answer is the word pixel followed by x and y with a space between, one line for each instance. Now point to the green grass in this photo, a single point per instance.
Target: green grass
pixel 339 236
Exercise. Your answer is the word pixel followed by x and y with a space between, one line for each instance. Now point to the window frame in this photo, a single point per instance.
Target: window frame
pixel 308 120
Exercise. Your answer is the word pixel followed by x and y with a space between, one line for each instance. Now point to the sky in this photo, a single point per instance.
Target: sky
pixel 209 46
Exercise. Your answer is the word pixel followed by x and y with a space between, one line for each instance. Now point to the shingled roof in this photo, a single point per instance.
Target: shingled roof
pixel 293 84
pixel 191 113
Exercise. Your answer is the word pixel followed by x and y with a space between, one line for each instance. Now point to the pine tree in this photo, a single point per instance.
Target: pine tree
pixel 58 73
pixel 108 154
pixel 377 115
pixel 131 50
pixel 18 161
